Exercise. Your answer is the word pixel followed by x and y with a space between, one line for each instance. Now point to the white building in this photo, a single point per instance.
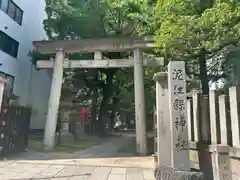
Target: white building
pixel 21 22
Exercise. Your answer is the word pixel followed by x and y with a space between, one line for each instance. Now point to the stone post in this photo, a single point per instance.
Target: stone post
pixel 54 100
pixel 223 115
pixel 164 128
pixel 214 120
pixel 196 116
pixel 234 109
pixel 2 83
pixel 178 115
pixel 205 124
pixel 140 111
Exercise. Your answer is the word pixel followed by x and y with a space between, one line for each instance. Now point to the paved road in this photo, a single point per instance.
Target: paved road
pixel 16 171
pixel 102 162
pixel 109 148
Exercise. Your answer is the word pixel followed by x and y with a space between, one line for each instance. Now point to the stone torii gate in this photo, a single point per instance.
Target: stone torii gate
pixel 97 46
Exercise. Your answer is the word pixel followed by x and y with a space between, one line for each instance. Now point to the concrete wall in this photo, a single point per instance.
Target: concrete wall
pixel 32 86
pixel 40 85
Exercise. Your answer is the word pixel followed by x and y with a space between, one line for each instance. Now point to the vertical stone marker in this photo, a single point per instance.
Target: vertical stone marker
pixel 178 115
pixel 164 156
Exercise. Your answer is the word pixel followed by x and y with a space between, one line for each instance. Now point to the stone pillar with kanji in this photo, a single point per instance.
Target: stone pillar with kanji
pixel 178 115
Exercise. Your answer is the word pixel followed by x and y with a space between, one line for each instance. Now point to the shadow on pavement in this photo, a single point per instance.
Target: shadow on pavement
pixel 114 151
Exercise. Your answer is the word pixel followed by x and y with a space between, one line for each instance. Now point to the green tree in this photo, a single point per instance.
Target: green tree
pixel 74 19
pixel 197 31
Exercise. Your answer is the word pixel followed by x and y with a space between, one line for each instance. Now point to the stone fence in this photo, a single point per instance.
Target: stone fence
pixel 213 132
pixel 196 132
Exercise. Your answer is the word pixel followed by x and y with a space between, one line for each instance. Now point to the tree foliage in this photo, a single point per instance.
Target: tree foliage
pixel 197 31
pixel 109 90
pixel 185 27
pixel 204 33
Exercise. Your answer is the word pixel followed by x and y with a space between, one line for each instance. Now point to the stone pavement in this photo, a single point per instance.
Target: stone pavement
pixel 28 171
pixel 130 162
pixel 107 149
pixel 101 162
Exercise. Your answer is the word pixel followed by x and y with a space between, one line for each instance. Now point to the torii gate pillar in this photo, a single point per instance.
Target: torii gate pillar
pixel 140 109
pixel 54 100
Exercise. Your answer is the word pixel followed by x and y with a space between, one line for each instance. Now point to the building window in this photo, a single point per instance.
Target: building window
pixel 8 89
pixel 10 8
pixel 8 45
pixel 4 5
pixel 19 16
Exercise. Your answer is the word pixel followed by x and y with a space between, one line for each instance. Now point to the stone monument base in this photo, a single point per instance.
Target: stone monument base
pixel 67 137
pixel 64 138
pixel 163 173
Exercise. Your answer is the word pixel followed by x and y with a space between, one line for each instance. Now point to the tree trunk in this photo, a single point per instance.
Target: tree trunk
pixel 114 104
pixel 102 112
pixel 72 128
pixel 203 72
pixel 128 122
pixel 107 91
pixel 94 111
pixel 112 118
